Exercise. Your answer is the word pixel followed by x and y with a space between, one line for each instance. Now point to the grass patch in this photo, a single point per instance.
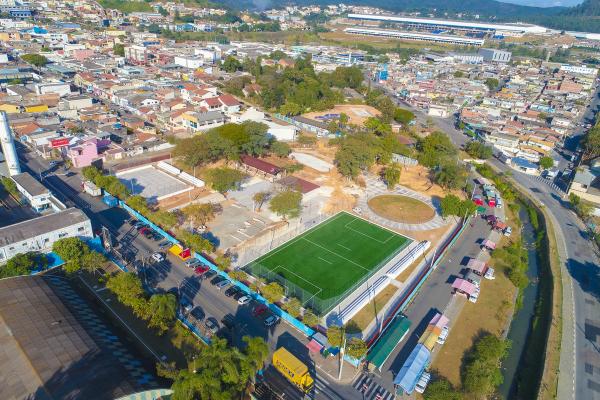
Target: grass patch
pixel 401 208
pixel 363 318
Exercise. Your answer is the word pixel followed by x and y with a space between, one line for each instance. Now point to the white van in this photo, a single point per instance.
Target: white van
pixel 498 202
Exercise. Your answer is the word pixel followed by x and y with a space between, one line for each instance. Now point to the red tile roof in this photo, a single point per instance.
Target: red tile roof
pixel 261 165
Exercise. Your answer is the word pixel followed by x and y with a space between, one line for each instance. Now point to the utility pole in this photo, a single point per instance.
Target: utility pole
pixel 342 351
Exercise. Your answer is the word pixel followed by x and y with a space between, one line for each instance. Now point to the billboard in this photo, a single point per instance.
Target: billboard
pixel 61 142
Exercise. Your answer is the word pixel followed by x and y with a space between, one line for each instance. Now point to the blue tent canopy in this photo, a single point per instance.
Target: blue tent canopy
pixel 413 367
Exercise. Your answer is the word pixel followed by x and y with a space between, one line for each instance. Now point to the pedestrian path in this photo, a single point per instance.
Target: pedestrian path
pixel 376 187
pixel 370 389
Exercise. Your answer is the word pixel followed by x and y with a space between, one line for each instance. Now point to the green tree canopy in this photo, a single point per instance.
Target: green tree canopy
pixel 434 149
pixel 403 116
pixel 478 150
pixel 546 162
pixel 492 83
pixel 287 204
pixel 392 176
pixel 162 310
pixel 272 292
pixel 293 307
pixel 482 374
pixel 119 50
pixel 71 250
pixel 356 348
pixel 335 335
pixel 231 64
pixel 23 264
pixel 280 149
pixel 224 179
pixel 451 176
pixel 37 60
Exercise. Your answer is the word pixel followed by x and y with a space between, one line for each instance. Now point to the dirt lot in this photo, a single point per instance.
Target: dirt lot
pixel 356 113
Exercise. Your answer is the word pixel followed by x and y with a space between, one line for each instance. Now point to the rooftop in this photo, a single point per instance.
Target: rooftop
pixel 30 184
pixel 45 353
pixel 40 225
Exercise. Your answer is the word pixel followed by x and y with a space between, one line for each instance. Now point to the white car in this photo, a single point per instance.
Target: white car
pixel 489 274
pixel 508 231
pixel 192 263
pixel 244 300
pixel 473 298
pixel 157 257
pixel 443 335
pixel 422 383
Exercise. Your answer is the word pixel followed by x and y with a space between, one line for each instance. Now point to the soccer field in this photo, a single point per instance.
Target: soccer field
pixel 329 259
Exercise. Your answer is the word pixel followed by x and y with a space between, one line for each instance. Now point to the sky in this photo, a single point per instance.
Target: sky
pixel 544 3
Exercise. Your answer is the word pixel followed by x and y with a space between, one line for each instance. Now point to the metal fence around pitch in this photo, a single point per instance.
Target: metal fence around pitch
pixel 248 254
pixel 320 300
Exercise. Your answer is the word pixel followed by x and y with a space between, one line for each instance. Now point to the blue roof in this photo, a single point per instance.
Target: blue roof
pixel 523 163
pixel 413 367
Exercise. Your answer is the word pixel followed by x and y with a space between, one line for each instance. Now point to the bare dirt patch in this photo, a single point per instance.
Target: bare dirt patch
pixel 401 208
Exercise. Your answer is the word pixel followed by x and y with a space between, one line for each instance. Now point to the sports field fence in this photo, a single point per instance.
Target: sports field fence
pixel 322 300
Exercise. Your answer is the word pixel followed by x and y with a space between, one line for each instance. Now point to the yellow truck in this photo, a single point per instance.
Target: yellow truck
pixel 293 369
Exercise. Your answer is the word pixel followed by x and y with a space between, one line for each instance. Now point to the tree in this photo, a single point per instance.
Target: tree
pixel 287 204
pixel 450 176
pixel 231 64
pixel 441 389
pixel 335 335
pixel 91 173
pixel 459 74
pixel 162 310
pixel 10 186
pixel 23 264
pixel 482 374
pixel 201 213
pixel 450 205
pixel 272 292
pixel 356 348
pixel 154 28
pixel 492 83
pixel 478 150
pixel 280 149
pixel 259 199
pixel 293 307
pixel 224 179
pixel 392 176
pixel 129 291
pixel 92 260
pixel 309 318
pixel 546 162
pixel 291 109
pixel 591 143
pixel 37 60
pixel 434 149
pixel 195 242
pixel 403 116
pixel 163 218
pixel 71 250
pixel 119 50
pixel 238 275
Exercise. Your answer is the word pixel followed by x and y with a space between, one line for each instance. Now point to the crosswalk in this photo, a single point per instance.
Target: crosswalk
pixel 550 183
pixel 370 389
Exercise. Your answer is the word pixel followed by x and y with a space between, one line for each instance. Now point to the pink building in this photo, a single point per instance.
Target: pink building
pixel 83 54
pixel 84 153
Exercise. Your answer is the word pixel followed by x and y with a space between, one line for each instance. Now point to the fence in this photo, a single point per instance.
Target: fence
pixel 276 310
pixel 322 300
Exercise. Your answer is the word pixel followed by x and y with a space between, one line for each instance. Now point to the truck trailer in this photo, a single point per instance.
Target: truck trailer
pixel 293 369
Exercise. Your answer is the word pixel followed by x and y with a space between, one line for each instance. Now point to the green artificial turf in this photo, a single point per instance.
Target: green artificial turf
pixel 332 257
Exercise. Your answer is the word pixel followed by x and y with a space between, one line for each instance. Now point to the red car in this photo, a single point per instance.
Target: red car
pixel 201 269
pixel 259 310
pixel 144 230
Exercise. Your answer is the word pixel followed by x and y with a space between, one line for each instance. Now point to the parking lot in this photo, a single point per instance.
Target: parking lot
pixel 207 301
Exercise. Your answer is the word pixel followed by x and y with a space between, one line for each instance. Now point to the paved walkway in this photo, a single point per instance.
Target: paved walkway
pixel 375 187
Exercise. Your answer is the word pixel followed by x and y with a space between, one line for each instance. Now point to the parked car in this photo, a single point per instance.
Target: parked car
pixel 158 257
pixel 232 290
pixel 228 321
pixel 201 269
pixel 209 274
pixel 422 383
pixel 489 274
pixel 271 320
pixel 217 279
pixel 259 310
pixel 443 335
pixel 164 245
pixel 508 231
pixel 142 229
pixel 148 234
pixel 192 263
pixel 212 325
pixel 198 313
pixel 186 305
pixel 244 300
pixel 133 222
pixel 239 295
pixel 220 285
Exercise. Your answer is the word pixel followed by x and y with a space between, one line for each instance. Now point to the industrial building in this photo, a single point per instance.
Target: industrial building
pixel 458 40
pixel 494 55
pixel 39 234
pixel 442 24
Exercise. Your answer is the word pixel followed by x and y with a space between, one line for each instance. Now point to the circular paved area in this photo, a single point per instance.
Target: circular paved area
pixel 376 187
